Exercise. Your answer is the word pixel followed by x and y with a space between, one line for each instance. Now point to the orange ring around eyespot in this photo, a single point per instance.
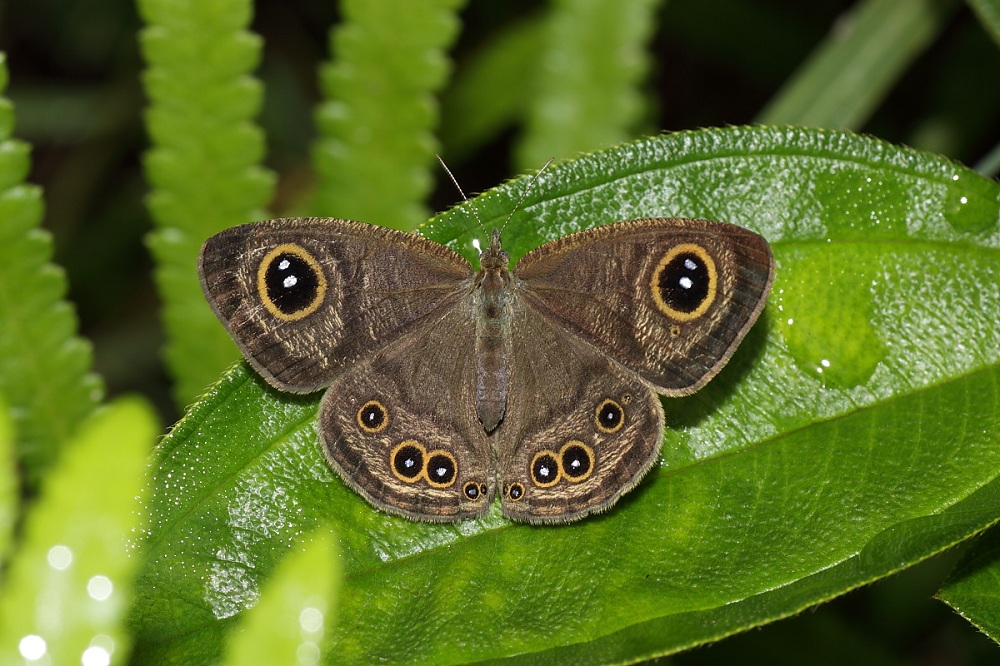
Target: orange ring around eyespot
pixel 381 426
pixel 306 256
pixel 423 462
pixel 426 472
pixel 557 470
pixel 597 415
pixel 590 459
pixel 713 282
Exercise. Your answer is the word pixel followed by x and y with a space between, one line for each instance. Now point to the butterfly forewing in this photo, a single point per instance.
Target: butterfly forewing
pixel 305 297
pixel 669 298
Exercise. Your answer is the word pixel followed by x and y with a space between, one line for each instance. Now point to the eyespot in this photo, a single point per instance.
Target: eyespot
pixel 609 417
pixel 515 491
pixel 473 491
pixel 407 460
pixel 684 282
pixel 545 469
pixel 290 282
pixel 576 460
pixel 372 417
pixel 442 469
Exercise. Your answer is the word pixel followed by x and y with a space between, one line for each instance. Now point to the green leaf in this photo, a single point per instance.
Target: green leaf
pixel 295 611
pixel 973 589
pixel 988 12
pixel 67 591
pixel 847 77
pixel 376 143
pixel 848 438
pixel 44 367
pixel 585 92
pixel 9 490
pixel 203 164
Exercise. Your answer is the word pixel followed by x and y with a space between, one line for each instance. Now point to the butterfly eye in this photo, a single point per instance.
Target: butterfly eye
pixel 577 461
pixel 684 282
pixel 290 282
pixel 441 469
pixel 372 417
pixel 408 461
pixel 609 417
pixel 545 469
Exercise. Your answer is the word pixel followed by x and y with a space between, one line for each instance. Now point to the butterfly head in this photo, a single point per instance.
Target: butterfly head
pixel 494 258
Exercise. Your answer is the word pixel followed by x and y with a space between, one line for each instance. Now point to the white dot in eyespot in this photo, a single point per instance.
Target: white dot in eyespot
pixel 686 283
pixel 441 471
pixel 284 264
pixel 290 281
pixel 689 264
pixel 543 471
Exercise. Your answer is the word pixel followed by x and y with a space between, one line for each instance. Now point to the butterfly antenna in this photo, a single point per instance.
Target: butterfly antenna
pixel 525 193
pixel 459 188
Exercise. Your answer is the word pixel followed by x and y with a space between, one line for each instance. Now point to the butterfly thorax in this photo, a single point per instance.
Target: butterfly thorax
pixel 493 337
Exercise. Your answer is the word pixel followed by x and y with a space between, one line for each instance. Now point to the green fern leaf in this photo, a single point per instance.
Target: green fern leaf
pixel 377 144
pixel 203 165
pixel 586 93
pixel 44 367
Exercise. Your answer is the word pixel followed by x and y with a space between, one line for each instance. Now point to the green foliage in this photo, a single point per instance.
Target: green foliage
pixel 585 94
pixel 989 14
pixel 203 164
pixel 8 482
pixel 844 81
pixel 974 586
pixel 68 587
pixel 852 436
pixel 44 366
pixel 389 61
pixel 813 465
pixel 296 609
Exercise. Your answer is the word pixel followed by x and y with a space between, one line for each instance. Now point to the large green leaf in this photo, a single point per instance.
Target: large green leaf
pixel 853 433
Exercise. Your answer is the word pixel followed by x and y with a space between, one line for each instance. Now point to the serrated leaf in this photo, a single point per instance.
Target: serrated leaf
pixel 67 591
pixel 295 611
pixel 376 143
pixel 44 367
pixel 584 93
pixel 848 438
pixel 203 164
pixel 973 589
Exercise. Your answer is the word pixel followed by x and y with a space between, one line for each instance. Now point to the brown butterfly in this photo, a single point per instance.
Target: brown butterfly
pixel 446 386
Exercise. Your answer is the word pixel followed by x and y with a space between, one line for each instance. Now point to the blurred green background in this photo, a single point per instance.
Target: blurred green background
pixel 75 70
